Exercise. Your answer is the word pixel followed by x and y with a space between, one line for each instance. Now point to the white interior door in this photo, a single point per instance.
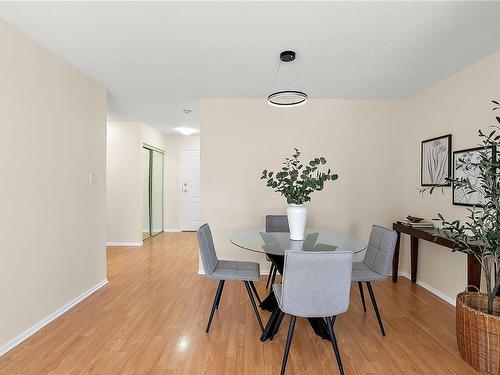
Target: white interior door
pixel 191 211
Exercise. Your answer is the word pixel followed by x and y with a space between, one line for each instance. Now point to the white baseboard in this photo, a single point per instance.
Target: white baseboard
pixel 172 230
pixel 444 297
pixel 42 323
pixel 125 244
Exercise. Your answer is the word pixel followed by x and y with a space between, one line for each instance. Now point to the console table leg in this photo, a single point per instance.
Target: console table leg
pixel 473 271
pixel 395 260
pixel 414 258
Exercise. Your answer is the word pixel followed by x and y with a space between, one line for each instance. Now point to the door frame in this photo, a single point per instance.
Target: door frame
pixel 181 183
pixel 150 188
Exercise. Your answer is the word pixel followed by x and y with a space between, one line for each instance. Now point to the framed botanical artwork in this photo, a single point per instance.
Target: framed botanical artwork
pixel 466 165
pixel 435 162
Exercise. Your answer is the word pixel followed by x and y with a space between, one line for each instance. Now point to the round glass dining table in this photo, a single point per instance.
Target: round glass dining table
pixel 275 244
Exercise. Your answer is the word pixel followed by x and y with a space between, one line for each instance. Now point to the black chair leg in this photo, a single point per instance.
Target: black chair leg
pixel 214 305
pixel 273 278
pixel 330 323
pixel 250 295
pixel 220 294
pixel 271 270
pixel 281 314
pixel 252 285
pixel 360 285
pixel 374 303
pixel 288 343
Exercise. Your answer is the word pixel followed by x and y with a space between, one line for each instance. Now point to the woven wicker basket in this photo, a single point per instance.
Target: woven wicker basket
pixel 478 333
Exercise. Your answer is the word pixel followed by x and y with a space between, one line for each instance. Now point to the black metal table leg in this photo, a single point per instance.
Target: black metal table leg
pixel 270 304
pixel 320 328
pixel 268 332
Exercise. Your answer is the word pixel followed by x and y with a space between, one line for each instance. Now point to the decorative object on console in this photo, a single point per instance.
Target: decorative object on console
pixel 435 168
pixel 419 224
pixel 467 166
pixel 296 182
pixel 414 219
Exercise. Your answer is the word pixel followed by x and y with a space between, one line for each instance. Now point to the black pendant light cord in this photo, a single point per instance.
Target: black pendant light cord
pixel 296 76
pixel 286 98
pixel 277 72
pixel 275 76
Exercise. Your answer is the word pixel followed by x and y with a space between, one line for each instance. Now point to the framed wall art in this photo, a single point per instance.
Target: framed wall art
pixel 435 168
pixel 466 165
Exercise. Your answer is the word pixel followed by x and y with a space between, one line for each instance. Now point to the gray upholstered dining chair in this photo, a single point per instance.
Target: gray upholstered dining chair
pixel 223 270
pixel 375 265
pixel 275 223
pixel 315 285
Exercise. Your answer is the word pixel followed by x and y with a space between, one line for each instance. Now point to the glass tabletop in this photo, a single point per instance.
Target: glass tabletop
pixel 276 243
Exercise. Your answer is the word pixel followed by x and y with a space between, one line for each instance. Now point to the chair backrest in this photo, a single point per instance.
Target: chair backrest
pixel 207 249
pixel 277 223
pixel 380 250
pixel 316 284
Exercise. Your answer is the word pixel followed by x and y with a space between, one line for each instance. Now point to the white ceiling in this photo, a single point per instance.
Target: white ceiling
pixel 158 58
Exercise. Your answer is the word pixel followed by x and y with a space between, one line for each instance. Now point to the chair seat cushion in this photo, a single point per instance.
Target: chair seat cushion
pixel 361 272
pixel 235 270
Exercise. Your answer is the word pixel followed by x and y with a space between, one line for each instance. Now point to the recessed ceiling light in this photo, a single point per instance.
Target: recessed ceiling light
pixel 187 111
pixel 185 130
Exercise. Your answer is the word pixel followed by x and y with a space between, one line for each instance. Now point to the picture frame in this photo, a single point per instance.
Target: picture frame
pixel 459 194
pixel 435 161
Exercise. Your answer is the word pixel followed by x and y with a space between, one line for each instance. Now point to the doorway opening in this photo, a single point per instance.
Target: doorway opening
pixel 152 191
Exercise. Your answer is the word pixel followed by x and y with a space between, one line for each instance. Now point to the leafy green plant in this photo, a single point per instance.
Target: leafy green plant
pixel 480 235
pixel 296 181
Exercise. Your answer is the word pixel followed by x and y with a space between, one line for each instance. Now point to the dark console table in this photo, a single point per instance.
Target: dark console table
pixel 431 235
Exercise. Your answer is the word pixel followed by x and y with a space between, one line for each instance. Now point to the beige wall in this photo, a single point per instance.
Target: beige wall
pixel 459 105
pixel 174 144
pixel 152 137
pixel 374 147
pixel 241 137
pixel 124 191
pixel 52 226
pixel 124 182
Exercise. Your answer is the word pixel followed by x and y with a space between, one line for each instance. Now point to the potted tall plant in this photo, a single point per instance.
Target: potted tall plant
pixel 478 314
pixel 296 182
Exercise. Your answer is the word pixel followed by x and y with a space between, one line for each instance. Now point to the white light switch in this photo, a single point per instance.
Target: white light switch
pixel 92 177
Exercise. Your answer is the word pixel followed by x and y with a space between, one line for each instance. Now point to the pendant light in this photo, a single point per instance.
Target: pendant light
pixel 287 98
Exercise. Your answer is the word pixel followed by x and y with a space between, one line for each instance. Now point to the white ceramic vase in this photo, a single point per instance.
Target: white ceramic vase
pixel 297 217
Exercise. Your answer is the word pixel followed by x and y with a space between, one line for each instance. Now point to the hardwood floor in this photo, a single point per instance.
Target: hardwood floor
pixel 151 317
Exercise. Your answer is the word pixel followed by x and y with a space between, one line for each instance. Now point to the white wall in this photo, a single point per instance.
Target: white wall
pixel 241 137
pixel 52 222
pixel 124 182
pixel 460 105
pixel 174 144
pixel 373 145
pixel 124 193
pixel 125 198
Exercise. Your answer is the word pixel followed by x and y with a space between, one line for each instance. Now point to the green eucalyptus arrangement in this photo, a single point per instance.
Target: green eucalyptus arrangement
pixel 480 235
pixel 297 181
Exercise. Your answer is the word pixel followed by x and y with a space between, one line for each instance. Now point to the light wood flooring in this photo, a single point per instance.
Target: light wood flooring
pixel 151 317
